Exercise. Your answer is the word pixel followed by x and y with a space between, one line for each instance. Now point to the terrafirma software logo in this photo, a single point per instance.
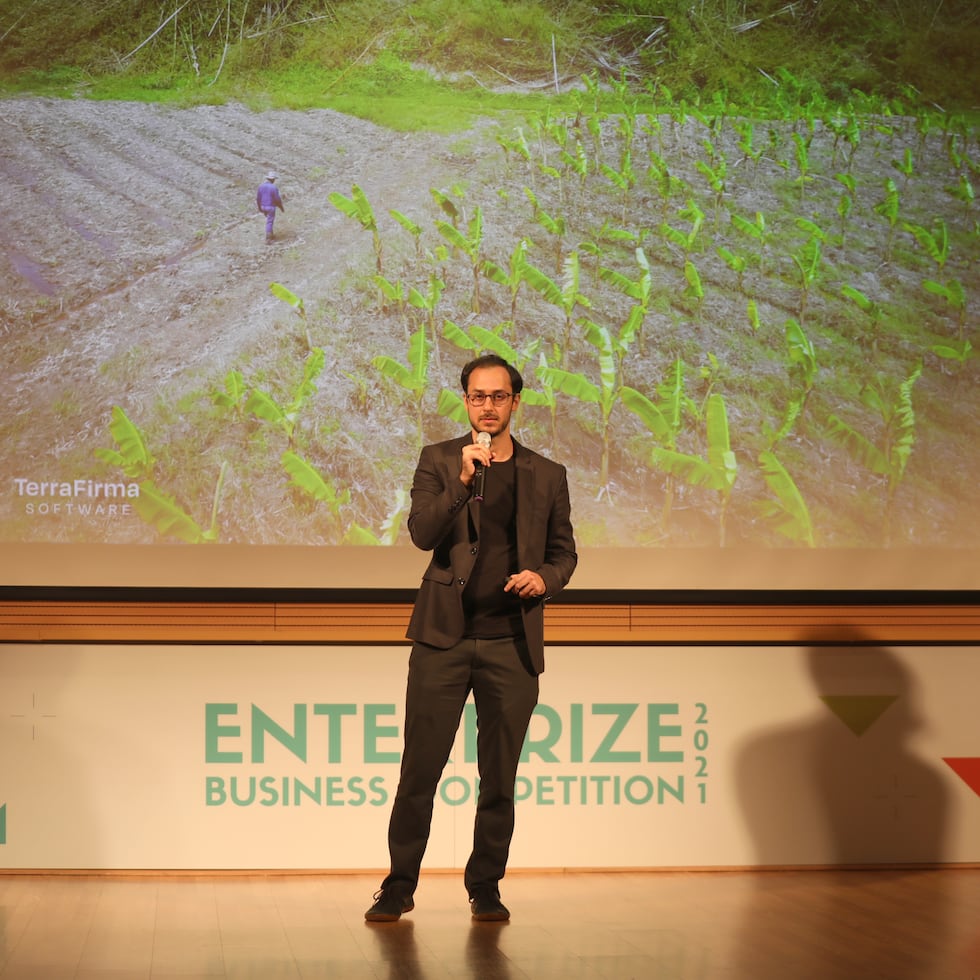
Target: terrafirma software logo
pixel 75 498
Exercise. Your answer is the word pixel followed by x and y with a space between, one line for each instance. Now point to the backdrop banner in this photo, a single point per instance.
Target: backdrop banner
pixel 242 757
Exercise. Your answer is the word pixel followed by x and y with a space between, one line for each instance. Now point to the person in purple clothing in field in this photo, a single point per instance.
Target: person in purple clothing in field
pixel 268 198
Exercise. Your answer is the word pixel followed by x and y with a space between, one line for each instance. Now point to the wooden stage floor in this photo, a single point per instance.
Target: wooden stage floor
pixel 730 925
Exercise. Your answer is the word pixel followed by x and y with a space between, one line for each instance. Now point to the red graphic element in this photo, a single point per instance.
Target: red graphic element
pixel 968 770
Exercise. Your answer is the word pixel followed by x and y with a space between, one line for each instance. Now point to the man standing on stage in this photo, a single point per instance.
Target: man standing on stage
pixel 496 517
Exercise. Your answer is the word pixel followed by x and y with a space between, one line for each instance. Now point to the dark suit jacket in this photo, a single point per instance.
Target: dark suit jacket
pixel 446 521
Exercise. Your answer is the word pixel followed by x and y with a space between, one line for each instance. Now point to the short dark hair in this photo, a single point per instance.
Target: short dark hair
pixel 492 360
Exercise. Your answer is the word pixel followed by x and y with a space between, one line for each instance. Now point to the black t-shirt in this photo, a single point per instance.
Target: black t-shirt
pixel 489 610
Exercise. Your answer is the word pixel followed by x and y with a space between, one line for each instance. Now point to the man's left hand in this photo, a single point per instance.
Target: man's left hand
pixel 526 584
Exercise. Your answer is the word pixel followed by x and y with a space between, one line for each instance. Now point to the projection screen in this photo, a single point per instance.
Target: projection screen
pixel 756 367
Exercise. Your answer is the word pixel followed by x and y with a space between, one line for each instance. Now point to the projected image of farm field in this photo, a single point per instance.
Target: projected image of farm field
pixel 738 323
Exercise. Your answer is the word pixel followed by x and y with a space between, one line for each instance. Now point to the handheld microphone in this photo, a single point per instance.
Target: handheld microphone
pixel 480 477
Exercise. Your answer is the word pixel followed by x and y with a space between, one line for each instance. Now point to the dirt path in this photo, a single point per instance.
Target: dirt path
pixel 136 232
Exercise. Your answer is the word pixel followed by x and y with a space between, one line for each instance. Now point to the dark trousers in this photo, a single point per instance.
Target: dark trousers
pixel 505 692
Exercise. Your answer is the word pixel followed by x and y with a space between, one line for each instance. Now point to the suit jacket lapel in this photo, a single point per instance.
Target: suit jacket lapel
pixel 524 503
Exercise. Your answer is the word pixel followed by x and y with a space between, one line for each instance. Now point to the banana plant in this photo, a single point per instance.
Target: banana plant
pixel 801 147
pixel 963 191
pixel 411 227
pixel 959 355
pixel 516 146
pixel 837 126
pixel 845 203
pixel 802 357
pixel 623 179
pixel 716 176
pixel 926 123
pixel 155 507
pixel 794 409
pixel 233 395
pixel 544 394
pixel 593 124
pixel 288 296
pixel 566 296
pixel 737 263
pixel 867 306
pixel 358 207
pixel 131 455
pixel 576 162
pixel 554 226
pixel 427 302
pixel 609 234
pixel 905 166
pixel 888 208
pixel 285 417
pixel 664 419
pixel 444 199
pixel 695 288
pixel 717 470
pixel 603 394
pixel 808 263
pixel 667 185
pixel 639 290
pixel 310 481
pixel 556 175
pixel 393 294
pixel 651 127
pixel 853 137
pixel 888 457
pixel 450 405
pixel 358 535
pixel 755 230
pixel 746 133
pixel 788 511
pixel 512 278
pixel 685 240
pixel 934 242
pixel 954 294
pixel 470 245
pixel 162 511
pixel 413 377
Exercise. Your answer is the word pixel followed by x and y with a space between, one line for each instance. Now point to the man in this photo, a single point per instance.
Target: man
pixel 477 625
pixel 268 198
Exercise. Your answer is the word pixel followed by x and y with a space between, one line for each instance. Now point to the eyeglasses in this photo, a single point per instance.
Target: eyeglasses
pixel 497 397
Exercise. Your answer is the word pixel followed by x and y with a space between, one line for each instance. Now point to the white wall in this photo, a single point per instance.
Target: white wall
pixel 110 757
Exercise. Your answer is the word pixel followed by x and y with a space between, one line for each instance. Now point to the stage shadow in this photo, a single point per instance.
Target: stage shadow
pixel 844 788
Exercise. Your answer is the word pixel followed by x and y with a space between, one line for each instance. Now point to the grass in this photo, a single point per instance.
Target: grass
pixel 395 63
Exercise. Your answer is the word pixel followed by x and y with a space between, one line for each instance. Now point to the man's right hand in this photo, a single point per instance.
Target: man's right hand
pixel 472 454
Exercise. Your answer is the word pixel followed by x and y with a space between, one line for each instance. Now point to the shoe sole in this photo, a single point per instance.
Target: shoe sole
pixel 491 916
pixel 387 916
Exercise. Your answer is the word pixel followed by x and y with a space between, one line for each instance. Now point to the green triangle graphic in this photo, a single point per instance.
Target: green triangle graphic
pixel 859 711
